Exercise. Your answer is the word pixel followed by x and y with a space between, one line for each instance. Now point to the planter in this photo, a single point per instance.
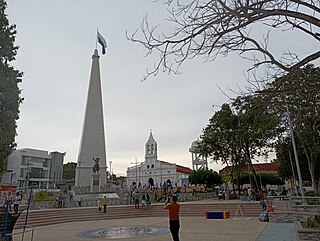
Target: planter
pixel 306 233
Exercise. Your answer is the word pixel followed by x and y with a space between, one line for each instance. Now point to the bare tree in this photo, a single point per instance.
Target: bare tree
pixel 218 27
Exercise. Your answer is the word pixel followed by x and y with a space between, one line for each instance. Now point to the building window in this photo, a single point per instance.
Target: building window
pixel 152 166
pixel 148 166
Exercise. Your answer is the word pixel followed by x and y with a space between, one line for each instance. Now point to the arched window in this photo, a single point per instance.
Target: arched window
pixel 152 166
pixel 148 167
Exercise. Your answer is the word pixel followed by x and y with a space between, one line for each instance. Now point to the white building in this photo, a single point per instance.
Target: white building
pixel 153 172
pixel 26 167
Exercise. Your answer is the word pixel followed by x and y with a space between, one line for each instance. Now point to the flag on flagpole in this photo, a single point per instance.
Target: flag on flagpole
pixel 102 41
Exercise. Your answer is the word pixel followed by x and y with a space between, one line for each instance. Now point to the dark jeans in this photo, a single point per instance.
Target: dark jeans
pixel 136 204
pixel 174 229
pixel 15 208
pixel 105 208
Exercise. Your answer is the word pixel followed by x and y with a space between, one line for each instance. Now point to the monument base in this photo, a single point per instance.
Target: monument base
pixel 95 183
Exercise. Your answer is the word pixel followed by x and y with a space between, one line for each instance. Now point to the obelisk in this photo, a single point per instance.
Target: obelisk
pixel 92 145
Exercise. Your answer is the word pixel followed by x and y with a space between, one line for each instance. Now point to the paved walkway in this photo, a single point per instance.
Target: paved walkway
pixel 279 232
pixel 280 228
pixel 192 229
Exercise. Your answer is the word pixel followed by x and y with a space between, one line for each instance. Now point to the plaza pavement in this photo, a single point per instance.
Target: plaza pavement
pixel 192 229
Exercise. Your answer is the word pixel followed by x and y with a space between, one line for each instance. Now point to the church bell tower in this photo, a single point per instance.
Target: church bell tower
pixel 151 150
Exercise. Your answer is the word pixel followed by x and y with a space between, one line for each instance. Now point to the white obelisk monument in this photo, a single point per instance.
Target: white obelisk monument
pixel 92 145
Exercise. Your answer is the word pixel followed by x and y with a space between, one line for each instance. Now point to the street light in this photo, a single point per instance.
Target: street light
pixel 136 163
pixel 110 172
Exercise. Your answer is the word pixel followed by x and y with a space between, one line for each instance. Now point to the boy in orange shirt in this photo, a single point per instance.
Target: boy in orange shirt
pixel 174 209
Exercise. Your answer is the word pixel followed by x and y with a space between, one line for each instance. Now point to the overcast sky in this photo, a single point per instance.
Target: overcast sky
pixel 57 40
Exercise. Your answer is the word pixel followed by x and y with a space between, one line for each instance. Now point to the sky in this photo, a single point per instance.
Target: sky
pixel 57 40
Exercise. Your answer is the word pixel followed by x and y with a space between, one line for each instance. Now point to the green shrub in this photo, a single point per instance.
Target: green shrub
pixel 312 222
pixel 42 196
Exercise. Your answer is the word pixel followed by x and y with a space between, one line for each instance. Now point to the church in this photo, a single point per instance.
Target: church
pixel 153 172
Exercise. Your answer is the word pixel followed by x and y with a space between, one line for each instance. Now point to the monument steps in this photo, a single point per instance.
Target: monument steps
pixel 64 215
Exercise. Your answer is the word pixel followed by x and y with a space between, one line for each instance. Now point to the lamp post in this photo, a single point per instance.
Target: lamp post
pixel 295 151
pixel 136 163
pixel 160 174
pixel 110 172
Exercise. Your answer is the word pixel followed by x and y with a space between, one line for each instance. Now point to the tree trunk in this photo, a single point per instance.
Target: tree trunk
pixel 253 171
pixel 311 165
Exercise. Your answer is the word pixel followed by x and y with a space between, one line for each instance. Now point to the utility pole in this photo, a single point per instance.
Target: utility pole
pixel 295 152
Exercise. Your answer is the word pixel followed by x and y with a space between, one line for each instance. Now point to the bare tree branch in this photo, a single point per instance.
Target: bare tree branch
pixel 218 27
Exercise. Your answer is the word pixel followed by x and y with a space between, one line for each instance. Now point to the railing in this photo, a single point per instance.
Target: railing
pixel 295 203
pixel 312 204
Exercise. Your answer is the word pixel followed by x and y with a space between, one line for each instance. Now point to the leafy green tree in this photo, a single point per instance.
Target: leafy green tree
pixel 238 135
pixel 299 92
pixel 9 91
pixel 69 170
pixel 208 178
pixel 221 140
pixel 258 127
pixel 285 158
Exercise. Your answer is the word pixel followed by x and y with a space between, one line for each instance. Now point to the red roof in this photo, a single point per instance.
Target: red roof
pixel 182 169
pixel 258 167
pixel 179 168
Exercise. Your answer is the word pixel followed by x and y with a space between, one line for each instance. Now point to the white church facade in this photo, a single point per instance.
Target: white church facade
pixel 153 172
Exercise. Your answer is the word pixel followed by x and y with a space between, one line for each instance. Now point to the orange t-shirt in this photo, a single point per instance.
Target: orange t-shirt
pixel 174 209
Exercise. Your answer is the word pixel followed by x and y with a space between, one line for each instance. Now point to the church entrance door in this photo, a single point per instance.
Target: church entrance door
pixel 151 182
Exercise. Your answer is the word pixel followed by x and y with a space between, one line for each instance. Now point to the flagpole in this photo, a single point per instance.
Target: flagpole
pixel 97 39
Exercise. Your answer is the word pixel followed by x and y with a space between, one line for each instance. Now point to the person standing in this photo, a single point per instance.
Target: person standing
pixel 79 199
pixel 16 202
pixel 143 200
pixel 9 200
pixel 126 198
pixel 137 201
pixel 105 203
pixel 60 199
pixel 99 205
pixel 148 201
pixel 174 211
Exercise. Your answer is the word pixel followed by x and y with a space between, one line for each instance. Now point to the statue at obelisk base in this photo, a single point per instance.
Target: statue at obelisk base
pixel 95 183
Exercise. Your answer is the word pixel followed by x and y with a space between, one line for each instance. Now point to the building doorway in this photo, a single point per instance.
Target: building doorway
pixel 151 182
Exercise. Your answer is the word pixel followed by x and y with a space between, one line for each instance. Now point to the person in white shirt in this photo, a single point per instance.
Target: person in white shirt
pixel 16 202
